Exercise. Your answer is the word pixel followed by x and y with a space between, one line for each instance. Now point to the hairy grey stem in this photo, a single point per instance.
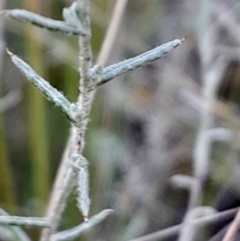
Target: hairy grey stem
pixel 82 228
pixel 124 66
pixel 43 22
pixel 85 98
pixel 80 110
pixel 25 221
pixel 42 85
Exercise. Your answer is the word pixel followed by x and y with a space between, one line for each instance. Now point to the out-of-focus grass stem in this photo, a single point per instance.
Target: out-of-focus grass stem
pixel 7 197
pixel 39 153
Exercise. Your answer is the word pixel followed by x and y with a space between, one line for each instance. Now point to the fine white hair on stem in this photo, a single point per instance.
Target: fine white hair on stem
pixel 83 103
pixel 82 228
pixel 42 85
pixel 53 204
pixel 80 165
pixel 77 139
pixel 17 231
pixel 48 23
pixel 114 70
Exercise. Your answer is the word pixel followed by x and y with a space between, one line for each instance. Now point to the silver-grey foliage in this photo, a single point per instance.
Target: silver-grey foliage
pixel 43 22
pixel 124 66
pixel 77 21
pixel 42 85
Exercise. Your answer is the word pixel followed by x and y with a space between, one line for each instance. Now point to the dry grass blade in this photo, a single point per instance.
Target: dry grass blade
pixel 231 232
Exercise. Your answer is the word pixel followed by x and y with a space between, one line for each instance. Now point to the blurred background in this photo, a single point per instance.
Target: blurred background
pixel 143 125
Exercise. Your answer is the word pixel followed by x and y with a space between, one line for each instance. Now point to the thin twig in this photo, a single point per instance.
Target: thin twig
pixel 112 31
pixel 43 22
pixel 42 85
pixel 174 230
pixel 211 77
pixel 82 228
pixel 232 230
pixel 202 146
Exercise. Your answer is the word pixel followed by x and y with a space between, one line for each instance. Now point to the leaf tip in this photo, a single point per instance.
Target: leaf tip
pixel 9 52
pixel 3 12
pixel 183 39
pixel 91 88
pixel 85 218
pixel 109 211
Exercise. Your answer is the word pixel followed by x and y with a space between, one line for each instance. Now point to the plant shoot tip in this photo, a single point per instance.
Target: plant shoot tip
pixel 183 39
pixel 85 218
pixel 110 210
pixel 3 12
pixel 9 52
